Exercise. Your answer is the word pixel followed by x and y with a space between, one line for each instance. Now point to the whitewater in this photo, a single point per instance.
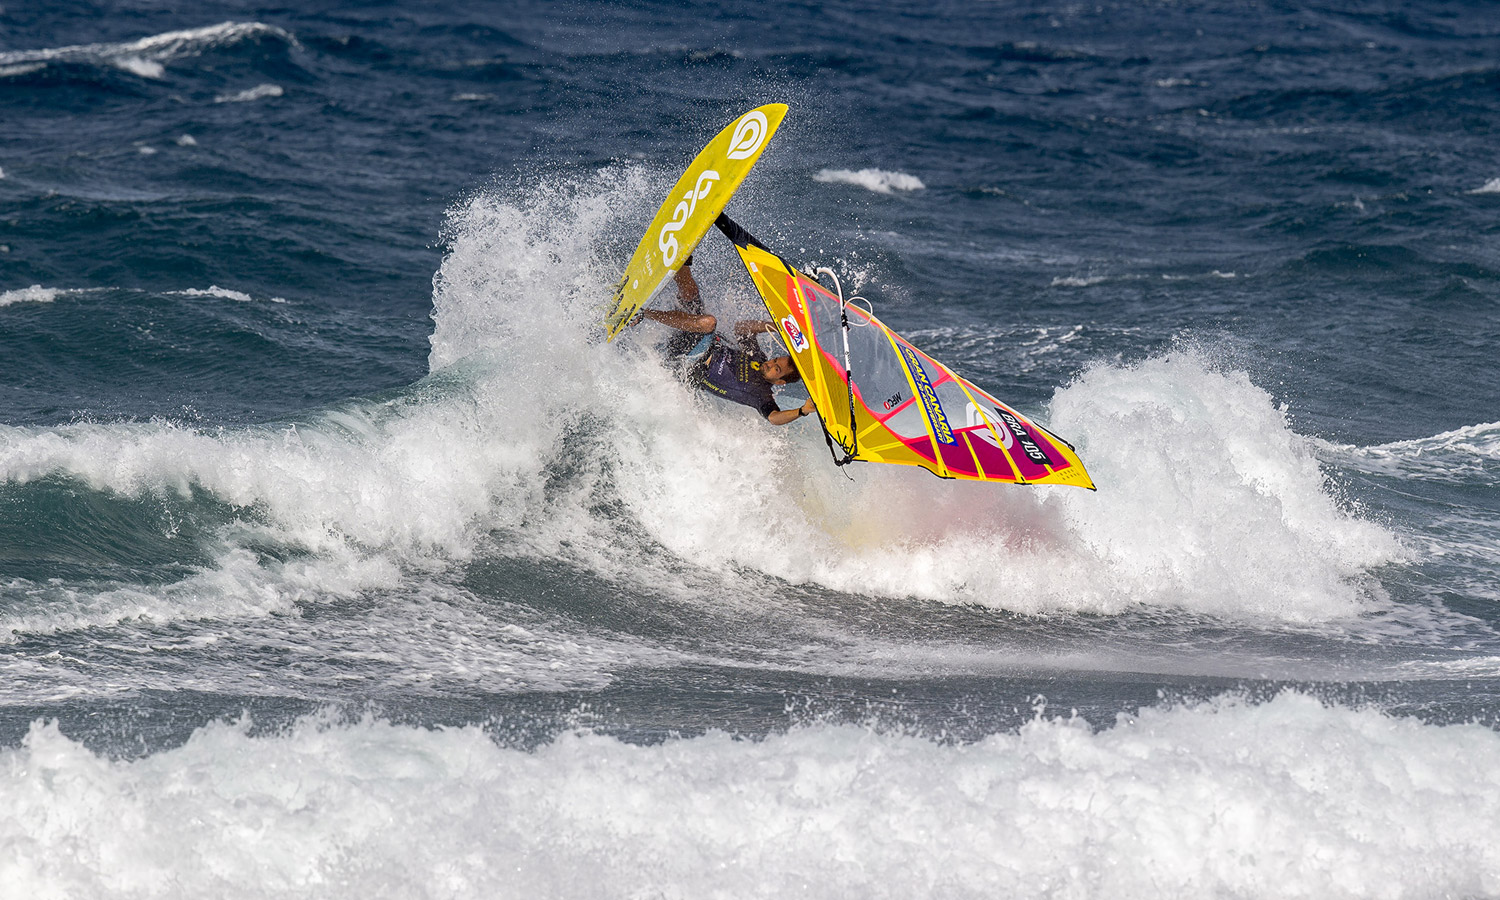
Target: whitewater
pixel 1160 804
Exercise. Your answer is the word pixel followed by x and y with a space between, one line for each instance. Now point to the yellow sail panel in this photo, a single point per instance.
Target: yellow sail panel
pixel 824 378
pixel 689 210
pixel 907 408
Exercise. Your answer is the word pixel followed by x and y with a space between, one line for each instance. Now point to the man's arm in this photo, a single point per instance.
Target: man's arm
pixel 747 329
pixel 783 416
pixel 752 327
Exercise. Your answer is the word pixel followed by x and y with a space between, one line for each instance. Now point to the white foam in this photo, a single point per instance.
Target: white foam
pixel 259 92
pixel 20 69
pixel 238 585
pixel 1207 495
pixel 878 180
pixel 146 68
pixel 1079 280
pixel 1489 187
pixel 34 294
pixel 187 140
pixel 1289 798
pixel 1208 502
pixel 362 491
pixel 412 635
pixel 214 290
pixel 357 494
pixel 390 475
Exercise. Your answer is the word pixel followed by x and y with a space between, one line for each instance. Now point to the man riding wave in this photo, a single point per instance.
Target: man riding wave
pixel 737 371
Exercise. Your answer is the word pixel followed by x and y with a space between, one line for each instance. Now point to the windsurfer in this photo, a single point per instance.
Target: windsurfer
pixel 740 373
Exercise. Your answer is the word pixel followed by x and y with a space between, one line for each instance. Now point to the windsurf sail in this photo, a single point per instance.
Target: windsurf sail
pixel 882 400
pixel 689 210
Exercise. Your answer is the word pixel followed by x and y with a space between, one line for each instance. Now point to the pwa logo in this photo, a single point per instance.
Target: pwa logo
pixel 794 335
pixel 666 239
pixel 749 134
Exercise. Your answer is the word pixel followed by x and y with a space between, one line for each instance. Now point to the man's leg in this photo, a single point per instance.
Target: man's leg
pixel 689 319
pixel 682 320
pixel 688 297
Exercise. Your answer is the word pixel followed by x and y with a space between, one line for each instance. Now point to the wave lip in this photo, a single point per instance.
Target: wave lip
pixel 878 180
pixel 143 57
pixel 1479 440
pixel 1456 456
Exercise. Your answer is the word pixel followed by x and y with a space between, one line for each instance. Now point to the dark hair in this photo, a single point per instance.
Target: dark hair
pixel 792 377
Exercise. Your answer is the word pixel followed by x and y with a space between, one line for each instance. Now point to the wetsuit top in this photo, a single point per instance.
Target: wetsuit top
pixel 734 374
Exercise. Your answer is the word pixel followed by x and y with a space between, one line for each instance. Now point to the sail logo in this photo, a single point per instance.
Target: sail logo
pixel 974 417
pixel 928 395
pixel 749 134
pixel 794 335
pixel 666 239
pixel 1033 452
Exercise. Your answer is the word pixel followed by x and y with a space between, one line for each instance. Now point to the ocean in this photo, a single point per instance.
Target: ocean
pixel 340 558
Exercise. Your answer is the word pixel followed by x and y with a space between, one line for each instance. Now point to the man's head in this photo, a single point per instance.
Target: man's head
pixel 779 370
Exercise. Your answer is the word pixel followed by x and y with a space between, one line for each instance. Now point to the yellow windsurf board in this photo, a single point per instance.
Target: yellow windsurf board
pixel 690 209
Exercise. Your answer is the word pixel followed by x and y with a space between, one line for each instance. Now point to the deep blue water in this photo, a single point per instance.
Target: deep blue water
pixel 337 556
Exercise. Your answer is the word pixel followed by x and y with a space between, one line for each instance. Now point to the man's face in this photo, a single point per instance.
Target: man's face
pixel 776 370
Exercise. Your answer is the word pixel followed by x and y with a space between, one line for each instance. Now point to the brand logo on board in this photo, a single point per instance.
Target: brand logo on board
pixel 666 239
pixel 749 134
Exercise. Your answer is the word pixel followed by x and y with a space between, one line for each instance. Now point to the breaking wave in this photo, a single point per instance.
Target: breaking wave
pixel 1289 797
pixel 532 437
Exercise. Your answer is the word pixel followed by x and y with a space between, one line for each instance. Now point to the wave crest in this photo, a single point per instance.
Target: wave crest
pixel 878 180
pixel 143 57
